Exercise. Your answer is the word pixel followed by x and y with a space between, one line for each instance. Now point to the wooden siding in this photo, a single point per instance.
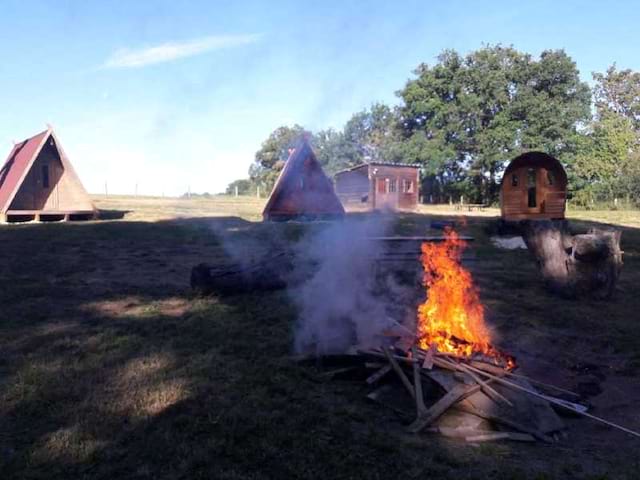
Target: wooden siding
pixel 64 193
pixel 378 187
pixel 302 189
pixel 398 199
pixel 534 187
pixel 354 189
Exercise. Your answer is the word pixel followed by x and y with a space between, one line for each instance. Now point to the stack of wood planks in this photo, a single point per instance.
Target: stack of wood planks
pixel 475 399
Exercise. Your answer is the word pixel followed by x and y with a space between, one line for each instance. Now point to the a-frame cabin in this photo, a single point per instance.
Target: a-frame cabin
pixel 302 190
pixel 37 182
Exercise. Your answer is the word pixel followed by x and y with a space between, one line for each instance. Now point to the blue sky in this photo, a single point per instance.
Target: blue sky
pixel 172 94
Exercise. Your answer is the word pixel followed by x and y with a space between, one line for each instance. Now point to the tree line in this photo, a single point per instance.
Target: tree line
pixel 463 118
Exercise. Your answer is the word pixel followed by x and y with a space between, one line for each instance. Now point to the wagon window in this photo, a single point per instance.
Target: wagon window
pixel 514 180
pixel 45 176
pixel 551 178
pixel 532 201
pixel 381 185
pixel 392 186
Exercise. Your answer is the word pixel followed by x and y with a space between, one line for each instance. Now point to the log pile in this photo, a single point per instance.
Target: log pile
pixel 475 398
pixel 575 265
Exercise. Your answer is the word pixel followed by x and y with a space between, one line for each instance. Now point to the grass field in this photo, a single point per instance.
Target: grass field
pixel 111 368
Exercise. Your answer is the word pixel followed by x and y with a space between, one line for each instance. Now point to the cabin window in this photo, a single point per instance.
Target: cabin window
pixel 382 185
pixel 392 186
pixel 407 186
pixel 531 188
pixel 551 178
pixel 45 176
pixel 514 180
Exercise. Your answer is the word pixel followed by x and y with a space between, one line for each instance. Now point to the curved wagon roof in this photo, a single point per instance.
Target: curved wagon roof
pixel 537 160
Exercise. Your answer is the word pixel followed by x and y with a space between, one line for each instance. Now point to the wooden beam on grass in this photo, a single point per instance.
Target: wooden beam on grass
pixel 489 437
pixel 378 374
pixel 453 396
pixel 421 409
pixel 400 372
pixel 558 402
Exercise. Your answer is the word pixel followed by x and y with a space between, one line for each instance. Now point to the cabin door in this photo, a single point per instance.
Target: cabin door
pixel 533 190
pixel 386 193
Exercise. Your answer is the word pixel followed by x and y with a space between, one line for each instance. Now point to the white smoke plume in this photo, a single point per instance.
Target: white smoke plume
pixel 345 302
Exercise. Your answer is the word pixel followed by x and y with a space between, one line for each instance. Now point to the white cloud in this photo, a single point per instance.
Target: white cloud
pixel 167 52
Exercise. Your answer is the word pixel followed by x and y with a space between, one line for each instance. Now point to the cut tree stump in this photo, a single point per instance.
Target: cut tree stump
pixel 573 266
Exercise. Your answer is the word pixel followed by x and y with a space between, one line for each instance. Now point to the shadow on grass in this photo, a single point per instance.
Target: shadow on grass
pixel 111 368
pixel 112 214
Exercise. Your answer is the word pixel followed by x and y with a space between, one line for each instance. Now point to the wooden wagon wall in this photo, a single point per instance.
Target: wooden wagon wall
pixel 533 188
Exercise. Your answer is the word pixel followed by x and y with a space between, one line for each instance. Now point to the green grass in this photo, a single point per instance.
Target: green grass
pixel 111 368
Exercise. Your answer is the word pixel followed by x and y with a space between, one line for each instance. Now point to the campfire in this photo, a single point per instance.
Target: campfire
pixel 458 383
pixel 451 320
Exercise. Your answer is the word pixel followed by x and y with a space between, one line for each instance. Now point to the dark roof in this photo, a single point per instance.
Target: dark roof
pixel 17 166
pixel 315 196
pixel 381 164
pixel 539 160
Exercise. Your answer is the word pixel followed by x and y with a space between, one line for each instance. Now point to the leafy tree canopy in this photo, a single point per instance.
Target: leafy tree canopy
pixel 618 91
pixel 488 106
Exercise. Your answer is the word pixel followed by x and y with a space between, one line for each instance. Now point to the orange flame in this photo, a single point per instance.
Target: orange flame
pixel 452 317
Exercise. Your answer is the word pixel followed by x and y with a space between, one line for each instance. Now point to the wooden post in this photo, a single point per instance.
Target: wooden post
pixel 106 190
pixel 236 190
pixel 258 191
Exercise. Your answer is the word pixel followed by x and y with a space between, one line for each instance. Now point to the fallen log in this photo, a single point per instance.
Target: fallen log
pixel 571 266
pixel 230 279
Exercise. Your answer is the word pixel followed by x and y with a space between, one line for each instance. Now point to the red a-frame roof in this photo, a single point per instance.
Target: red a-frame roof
pixel 17 166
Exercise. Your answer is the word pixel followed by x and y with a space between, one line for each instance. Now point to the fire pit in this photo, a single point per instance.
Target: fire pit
pixel 459 383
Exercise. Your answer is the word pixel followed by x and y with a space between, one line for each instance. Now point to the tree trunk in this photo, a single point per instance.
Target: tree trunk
pixel 572 266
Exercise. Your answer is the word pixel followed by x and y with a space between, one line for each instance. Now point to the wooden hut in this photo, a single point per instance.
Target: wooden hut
pixel 302 190
pixel 379 186
pixel 534 187
pixel 37 182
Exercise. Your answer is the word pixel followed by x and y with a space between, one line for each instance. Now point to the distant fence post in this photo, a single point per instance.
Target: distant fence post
pixel 106 190
pixel 258 191
pixel 236 190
